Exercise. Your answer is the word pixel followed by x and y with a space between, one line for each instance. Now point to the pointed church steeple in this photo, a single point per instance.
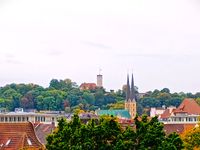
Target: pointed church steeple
pixel 132 94
pixel 130 102
pixel 127 89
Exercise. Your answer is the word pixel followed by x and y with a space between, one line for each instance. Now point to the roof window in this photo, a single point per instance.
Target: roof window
pixel 29 141
pixel 8 142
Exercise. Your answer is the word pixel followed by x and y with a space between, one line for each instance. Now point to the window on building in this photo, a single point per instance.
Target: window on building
pixel 19 119
pixel 2 119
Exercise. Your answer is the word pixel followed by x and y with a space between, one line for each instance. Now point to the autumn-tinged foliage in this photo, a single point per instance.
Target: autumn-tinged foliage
pixel 191 138
pixel 107 134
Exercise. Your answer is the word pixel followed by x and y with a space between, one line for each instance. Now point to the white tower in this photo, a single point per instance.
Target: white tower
pixel 99 80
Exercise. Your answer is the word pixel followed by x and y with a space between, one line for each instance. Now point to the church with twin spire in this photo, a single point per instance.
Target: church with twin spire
pixel 130 102
pixel 129 111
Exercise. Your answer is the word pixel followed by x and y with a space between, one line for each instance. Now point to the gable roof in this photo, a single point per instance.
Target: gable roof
pixel 189 106
pixel 121 113
pixel 18 135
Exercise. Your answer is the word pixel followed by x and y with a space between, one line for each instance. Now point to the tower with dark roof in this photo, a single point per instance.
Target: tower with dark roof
pixel 130 102
pixel 127 89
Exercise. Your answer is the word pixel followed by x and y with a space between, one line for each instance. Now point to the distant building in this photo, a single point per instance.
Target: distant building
pixel 20 116
pixel 88 86
pixel 99 80
pixel 156 111
pixel 188 112
pixel 160 110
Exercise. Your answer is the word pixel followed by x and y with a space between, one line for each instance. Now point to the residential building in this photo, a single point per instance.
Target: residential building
pixel 88 86
pixel 20 116
pixel 188 112
pixel 160 110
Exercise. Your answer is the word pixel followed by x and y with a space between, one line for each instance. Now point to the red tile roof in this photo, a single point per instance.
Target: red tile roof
pixel 88 86
pixel 166 114
pixel 15 136
pixel 178 128
pixel 189 106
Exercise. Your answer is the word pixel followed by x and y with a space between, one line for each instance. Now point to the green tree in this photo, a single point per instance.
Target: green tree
pixel 107 134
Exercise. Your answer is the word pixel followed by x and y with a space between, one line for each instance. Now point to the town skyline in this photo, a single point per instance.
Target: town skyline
pixel 156 40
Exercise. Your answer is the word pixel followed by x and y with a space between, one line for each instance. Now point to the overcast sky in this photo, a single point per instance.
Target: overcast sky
pixel 157 40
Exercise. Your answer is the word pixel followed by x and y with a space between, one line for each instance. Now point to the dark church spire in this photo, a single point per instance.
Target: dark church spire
pixel 132 94
pixel 127 89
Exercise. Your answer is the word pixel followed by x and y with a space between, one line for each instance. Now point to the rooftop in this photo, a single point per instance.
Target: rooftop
pixel 190 106
pixel 122 113
pixel 17 136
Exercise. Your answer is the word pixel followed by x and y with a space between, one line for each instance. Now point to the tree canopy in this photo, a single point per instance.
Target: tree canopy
pixel 66 95
pixel 107 134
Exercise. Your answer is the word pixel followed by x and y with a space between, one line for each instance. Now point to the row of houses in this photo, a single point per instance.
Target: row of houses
pixel 29 130
pixel 21 129
pixel 180 119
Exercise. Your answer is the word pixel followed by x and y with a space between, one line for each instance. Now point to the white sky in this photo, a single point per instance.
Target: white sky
pixel 159 40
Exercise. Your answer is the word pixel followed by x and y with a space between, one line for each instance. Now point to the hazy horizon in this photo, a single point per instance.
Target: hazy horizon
pixel 159 41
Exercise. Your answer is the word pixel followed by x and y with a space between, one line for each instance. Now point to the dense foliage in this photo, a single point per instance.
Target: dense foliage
pixel 107 134
pixel 163 98
pixel 66 95
pixel 191 138
pixel 60 95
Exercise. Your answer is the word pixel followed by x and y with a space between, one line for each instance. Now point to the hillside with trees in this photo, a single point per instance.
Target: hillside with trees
pixel 65 95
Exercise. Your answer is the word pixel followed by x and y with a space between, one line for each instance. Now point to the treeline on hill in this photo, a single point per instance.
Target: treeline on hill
pixel 65 95
pixel 60 95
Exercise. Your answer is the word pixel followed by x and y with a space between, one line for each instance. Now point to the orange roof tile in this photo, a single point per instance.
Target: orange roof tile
pixel 88 86
pixel 178 128
pixel 166 114
pixel 189 106
pixel 18 135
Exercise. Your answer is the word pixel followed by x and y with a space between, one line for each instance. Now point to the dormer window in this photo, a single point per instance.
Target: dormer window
pixel 29 141
pixel 8 142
